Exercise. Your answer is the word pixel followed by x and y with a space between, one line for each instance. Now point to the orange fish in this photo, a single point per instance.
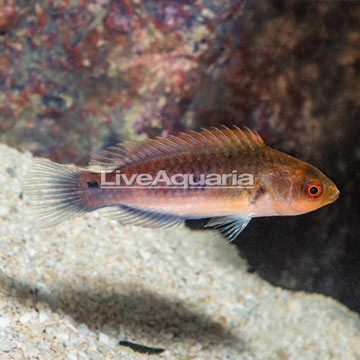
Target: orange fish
pixel 228 175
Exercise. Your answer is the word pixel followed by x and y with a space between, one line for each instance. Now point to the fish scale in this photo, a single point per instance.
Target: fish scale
pixel 278 184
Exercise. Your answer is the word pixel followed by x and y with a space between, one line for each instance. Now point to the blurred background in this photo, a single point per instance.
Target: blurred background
pixel 77 76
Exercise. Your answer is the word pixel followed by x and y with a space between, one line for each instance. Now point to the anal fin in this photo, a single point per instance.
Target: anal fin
pixel 128 215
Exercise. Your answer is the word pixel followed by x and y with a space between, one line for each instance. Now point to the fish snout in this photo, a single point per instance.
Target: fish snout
pixel 333 193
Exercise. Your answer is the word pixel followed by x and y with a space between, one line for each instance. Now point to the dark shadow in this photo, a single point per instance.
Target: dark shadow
pixel 197 224
pixel 148 315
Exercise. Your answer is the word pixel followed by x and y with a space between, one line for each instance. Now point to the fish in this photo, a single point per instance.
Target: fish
pixel 228 176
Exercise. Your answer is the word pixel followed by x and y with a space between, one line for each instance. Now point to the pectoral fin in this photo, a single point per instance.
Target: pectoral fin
pixel 230 226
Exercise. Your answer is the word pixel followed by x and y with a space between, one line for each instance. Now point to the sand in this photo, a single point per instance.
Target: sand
pixel 74 291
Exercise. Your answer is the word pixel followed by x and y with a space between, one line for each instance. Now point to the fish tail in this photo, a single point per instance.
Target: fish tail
pixel 55 192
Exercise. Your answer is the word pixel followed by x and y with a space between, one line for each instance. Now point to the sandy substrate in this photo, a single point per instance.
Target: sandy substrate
pixel 73 291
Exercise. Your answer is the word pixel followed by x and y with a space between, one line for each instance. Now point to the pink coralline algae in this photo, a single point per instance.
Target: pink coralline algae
pixel 114 69
pixel 7 12
pixel 119 18
pixel 110 69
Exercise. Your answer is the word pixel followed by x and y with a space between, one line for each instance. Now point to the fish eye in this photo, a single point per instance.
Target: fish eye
pixel 313 190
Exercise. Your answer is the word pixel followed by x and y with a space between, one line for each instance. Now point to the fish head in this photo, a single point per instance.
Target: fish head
pixel 299 187
pixel 314 189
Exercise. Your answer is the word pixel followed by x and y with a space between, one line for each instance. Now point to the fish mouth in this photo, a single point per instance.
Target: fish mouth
pixel 334 194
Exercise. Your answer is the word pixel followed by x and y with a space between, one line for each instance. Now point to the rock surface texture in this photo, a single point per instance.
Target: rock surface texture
pixel 75 291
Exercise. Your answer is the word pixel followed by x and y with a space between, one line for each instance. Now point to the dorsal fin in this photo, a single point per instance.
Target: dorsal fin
pixel 213 140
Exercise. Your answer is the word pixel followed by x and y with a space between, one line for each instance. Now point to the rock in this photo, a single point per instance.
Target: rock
pixel 193 296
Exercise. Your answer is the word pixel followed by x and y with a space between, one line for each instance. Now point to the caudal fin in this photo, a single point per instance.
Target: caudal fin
pixel 54 191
